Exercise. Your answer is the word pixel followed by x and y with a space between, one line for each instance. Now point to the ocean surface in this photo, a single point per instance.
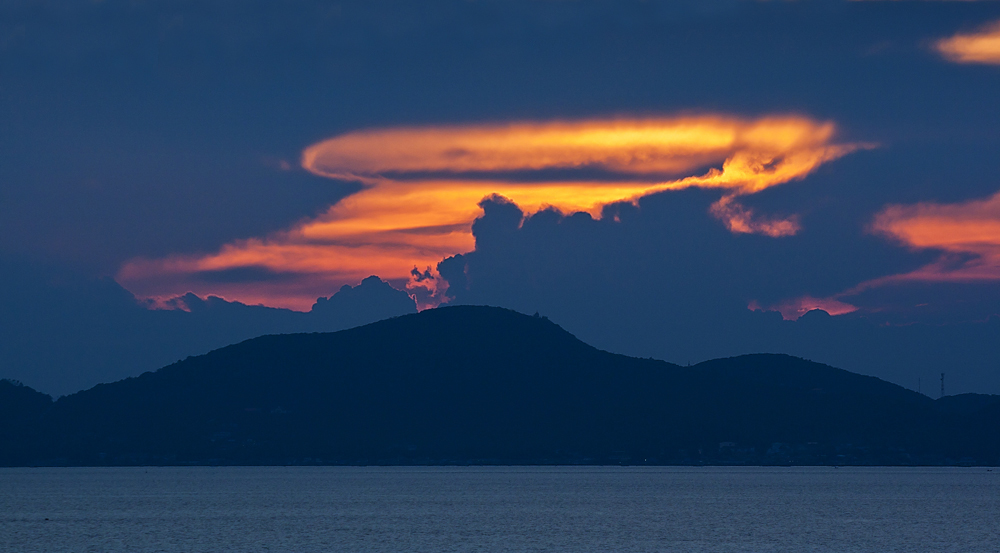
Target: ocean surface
pixel 497 509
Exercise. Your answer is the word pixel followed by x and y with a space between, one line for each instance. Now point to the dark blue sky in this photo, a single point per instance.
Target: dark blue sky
pixel 159 130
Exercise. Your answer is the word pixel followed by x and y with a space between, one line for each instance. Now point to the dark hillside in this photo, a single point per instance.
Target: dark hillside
pixel 966 404
pixel 786 399
pixel 446 384
pixel 20 409
pixel 485 385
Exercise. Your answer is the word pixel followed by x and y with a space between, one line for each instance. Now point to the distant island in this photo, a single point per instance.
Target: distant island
pixel 480 385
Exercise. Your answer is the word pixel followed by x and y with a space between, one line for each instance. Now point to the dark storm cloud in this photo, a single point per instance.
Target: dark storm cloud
pixel 668 251
pixel 662 280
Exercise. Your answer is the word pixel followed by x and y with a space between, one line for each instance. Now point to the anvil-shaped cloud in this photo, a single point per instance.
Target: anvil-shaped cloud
pixel 422 187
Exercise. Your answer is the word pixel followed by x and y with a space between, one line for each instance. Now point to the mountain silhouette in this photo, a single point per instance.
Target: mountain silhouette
pixel 473 385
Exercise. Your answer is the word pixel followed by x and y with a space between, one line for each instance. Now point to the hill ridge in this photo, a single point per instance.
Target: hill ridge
pixel 472 385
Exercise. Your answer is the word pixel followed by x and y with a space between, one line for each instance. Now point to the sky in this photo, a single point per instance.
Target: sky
pixel 680 180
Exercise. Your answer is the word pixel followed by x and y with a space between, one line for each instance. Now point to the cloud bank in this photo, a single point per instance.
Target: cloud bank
pixel 422 187
pixel 663 281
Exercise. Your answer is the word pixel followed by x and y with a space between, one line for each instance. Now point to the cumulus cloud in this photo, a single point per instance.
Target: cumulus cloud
pixel 423 185
pixel 981 46
pixel 664 281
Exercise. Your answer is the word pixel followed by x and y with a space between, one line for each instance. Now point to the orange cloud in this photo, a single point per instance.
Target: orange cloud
pixel 740 219
pixel 756 154
pixel 422 186
pixel 967 234
pixel 982 46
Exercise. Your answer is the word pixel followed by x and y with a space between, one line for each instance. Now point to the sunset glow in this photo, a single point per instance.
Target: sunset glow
pixel 422 186
pixel 968 234
pixel 793 309
pixel 982 46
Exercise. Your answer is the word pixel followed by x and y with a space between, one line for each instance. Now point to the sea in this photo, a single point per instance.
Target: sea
pixel 500 509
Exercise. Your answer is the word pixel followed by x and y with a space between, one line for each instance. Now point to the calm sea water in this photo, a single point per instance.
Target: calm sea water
pixel 499 509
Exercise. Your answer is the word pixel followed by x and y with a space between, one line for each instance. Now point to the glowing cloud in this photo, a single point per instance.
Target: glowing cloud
pixel 738 218
pixel 982 46
pixel 793 309
pixel 422 186
pixel 755 154
pixel 967 234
